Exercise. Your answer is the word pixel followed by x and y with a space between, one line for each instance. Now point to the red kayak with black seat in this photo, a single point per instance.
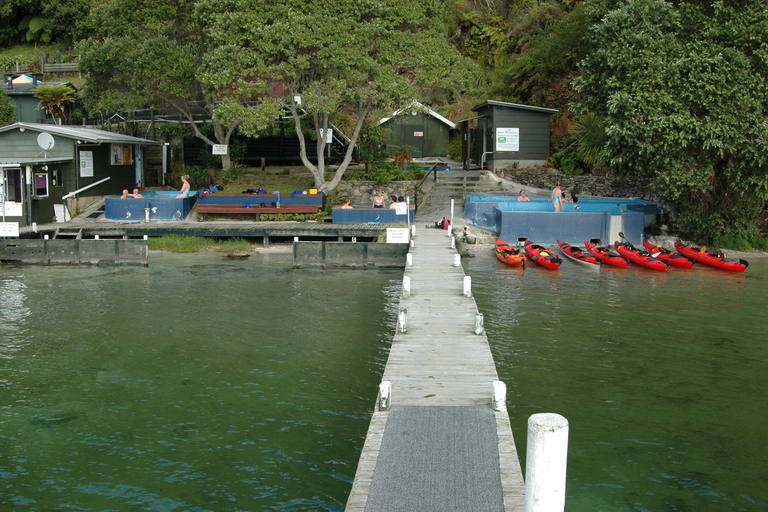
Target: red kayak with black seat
pixel 606 255
pixel 641 258
pixel 715 259
pixel 578 254
pixel 670 257
pixel 542 256
pixel 509 255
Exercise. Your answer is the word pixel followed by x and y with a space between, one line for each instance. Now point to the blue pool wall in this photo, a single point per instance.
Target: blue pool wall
pixel 571 227
pixel 163 205
pixel 256 199
pixel 369 216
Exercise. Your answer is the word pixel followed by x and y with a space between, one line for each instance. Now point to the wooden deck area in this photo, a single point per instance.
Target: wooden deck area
pixel 438 362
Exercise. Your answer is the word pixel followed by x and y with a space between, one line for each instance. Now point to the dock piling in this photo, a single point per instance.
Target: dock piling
pixel 546 463
pixel 467 286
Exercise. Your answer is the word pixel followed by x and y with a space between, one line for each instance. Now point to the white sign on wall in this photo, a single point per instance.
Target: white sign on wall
pixel 219 149
pixel 9 229
pixel 328 135
pixel 401 209
pixel 11 209
pixel 86 164
pixel 397 235
pixel 507 139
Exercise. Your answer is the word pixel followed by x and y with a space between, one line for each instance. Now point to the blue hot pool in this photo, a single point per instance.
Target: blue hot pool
pixel 162 205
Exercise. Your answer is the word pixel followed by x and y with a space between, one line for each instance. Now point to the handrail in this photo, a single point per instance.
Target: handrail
pixel 85 188
pixel 418 185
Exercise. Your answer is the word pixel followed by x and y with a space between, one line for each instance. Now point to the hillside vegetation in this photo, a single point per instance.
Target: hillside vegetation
pixel 672 90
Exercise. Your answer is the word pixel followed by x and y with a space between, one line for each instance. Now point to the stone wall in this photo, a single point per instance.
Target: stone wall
pixel 362 192
pixel 588 185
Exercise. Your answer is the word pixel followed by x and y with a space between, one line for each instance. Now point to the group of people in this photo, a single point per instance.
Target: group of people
pixel 377 201
pixel 126 195
pixel 557 199
pixel 184 192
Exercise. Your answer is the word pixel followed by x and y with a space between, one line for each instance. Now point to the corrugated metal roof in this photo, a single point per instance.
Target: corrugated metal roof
pixel 10 162
pixel 90 135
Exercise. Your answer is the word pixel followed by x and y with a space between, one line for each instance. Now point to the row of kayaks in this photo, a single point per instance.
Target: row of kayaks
pixel 654 257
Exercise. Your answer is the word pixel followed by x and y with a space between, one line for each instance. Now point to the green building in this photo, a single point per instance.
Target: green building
pixel 44 168
pixel 512 134
pixel 421 128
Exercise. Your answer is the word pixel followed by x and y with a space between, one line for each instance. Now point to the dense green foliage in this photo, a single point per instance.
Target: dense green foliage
pixel 7 110
pixel 672 90
pixel 683 94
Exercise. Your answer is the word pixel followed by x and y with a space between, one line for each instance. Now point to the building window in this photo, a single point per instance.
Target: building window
pixel 122 154
pixel 41 184
pixel 13 185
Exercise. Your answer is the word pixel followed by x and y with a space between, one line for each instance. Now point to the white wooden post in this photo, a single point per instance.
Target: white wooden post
pixel 479 329
pixel 412 244
pixel 456 260
pixel 499 397
pixel 467 286
pixel 453 243
pixel 409 259
pixel 402 321
pixel 385 390
pixel 546 463
pixel 413 229
pixel 406 286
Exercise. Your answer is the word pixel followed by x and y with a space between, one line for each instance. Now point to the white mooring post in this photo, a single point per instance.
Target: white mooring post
pixel 406 286
pixel 546 463
pixel 95 237
pixel 499 397
pixel 456 260
pixel 412 244
pixel 402 321
pixel 453 243
pixel 479 329
pixel 385 390
pixel 409 259
pixel 413 229
pixel 467 286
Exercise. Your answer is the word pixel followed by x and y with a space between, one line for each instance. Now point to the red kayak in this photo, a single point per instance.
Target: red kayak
pixel 714 259
pixel 509 255
pixel 578 254
pixel 643 259
pixel 606 256
pixel 542 256
pixel 670 257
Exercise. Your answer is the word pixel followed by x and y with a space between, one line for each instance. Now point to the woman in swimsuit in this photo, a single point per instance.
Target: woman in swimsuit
pixel 378 200
pixel 557 197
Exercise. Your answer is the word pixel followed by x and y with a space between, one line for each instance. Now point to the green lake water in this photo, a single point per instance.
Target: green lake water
pixel 201 383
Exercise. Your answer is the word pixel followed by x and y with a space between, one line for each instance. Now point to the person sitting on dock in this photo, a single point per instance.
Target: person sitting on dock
pixel 522 197
pixel 185 188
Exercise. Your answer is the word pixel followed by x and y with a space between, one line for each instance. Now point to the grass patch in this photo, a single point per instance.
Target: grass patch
pixel 181 243
pixel 270 182
pixel 235 245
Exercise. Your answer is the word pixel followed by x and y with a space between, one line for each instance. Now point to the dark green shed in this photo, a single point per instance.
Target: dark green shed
pixel 421 128
pixel 509 133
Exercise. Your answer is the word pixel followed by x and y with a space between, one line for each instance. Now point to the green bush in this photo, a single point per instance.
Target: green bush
pixel 226 176
pixel 386 173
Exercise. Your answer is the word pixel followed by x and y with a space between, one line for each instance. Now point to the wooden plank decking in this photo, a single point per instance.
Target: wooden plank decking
pixel 438 361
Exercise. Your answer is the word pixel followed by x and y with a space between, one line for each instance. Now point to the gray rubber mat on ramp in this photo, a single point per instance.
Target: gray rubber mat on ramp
pixel 441 459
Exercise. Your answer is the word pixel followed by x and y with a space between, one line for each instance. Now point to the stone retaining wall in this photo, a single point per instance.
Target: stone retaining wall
pixel 588 185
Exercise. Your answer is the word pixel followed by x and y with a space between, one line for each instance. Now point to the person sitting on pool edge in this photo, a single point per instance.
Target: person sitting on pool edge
pixel 185 188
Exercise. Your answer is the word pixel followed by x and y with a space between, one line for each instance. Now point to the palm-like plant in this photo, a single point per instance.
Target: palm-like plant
pixel 54 99
pixel 589 135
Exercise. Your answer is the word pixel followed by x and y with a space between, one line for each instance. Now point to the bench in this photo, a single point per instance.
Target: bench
pixel 230 209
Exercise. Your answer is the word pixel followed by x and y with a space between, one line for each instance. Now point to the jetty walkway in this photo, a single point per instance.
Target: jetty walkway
pixel 437 443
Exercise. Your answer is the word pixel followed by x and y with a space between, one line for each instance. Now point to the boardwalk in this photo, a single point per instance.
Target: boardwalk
pixel 440 446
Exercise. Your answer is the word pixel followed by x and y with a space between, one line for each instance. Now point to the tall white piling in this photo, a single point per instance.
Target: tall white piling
pixel 499 396
pixel 546 463
pixel 456 260
pixel 453 242
pixel 402 321
pixel 467 286
pixel 479 328
pixel 413 229
pixel 406 286
pixel 385 390
pixel 409 259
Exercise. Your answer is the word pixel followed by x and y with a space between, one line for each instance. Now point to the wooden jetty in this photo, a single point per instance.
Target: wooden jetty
pixel 437 443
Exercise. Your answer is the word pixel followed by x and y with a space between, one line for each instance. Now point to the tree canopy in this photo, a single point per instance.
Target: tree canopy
pixel 7 110
pixel 683 94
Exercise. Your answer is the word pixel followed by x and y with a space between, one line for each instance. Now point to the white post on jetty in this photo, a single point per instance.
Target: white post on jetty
pixel 409 259
pixel 385 389
pixel 413 229
pixel 499 397
pixel 467 286
pixel 546 463
pixel 453 242
pixel 406 286
pixel 456 260
pixel 479 328
pixel 402 321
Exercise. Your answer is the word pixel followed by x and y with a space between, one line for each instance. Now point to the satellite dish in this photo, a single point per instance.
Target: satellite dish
pixel 45 141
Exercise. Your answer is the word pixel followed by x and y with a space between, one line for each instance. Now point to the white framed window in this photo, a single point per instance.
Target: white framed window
pixel 41 184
